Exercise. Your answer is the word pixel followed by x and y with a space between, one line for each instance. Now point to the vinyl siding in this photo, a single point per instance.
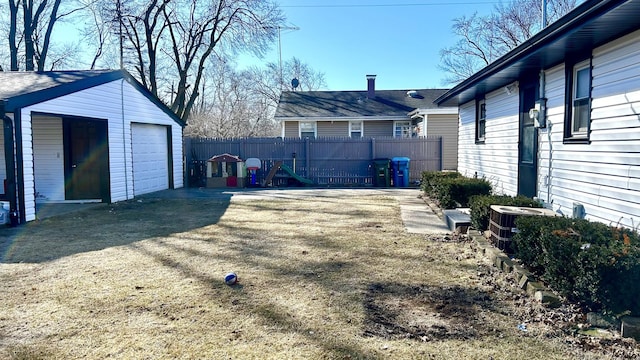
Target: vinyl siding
pixel 48 158
pixel 377 128
pixel 447 127
pixel 291 129
pixel 333 129
pixel 604 176
pixel 496 159
pixel 120 103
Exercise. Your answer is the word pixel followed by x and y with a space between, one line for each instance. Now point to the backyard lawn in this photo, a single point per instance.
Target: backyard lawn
pixel 331 277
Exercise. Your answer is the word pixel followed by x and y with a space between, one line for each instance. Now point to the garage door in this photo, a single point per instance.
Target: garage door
pixel 150 158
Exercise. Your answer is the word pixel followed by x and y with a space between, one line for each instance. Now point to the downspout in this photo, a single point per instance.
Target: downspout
pixel 549 126
pixel 9 160
pixel 19 211
pixel 124 141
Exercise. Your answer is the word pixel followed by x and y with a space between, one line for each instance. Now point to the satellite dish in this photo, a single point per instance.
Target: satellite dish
pixel 295 83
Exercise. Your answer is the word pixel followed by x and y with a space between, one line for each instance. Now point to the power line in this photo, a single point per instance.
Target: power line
pixel 390 5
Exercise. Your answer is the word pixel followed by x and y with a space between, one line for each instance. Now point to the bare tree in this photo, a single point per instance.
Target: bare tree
pixel 483 39
pixel 173 39
pixel 243 103
pixel 268 82
pixel 31 26
pixel 232 107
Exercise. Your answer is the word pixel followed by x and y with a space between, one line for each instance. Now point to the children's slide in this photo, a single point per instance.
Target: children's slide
pixel 279 165
pixel 289 171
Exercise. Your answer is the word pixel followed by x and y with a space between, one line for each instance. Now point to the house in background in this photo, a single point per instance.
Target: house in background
pixel 558 117
pixel 77 136
pixel 371 113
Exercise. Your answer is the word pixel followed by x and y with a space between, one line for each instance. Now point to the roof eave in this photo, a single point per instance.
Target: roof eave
pixel 573 21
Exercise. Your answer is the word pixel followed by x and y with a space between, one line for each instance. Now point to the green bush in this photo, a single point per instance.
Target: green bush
pixel 480 206
pixel 431 179
pixel 453 192
pixel 588 262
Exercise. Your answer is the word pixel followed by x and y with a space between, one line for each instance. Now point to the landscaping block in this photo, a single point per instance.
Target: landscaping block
pixel 533 286
pixel 547 298
pixel 631 327
pixel 524 281
pixel 507 264
pixel 601 320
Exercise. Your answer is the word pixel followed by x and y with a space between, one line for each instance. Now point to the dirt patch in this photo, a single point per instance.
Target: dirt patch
pixel 426 313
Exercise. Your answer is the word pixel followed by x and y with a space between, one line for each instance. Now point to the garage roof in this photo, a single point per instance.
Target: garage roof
pixel 25 88
pixel 592 24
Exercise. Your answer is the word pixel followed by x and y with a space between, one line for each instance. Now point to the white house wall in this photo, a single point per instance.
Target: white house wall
pixel 603 176
pixel 496 159
pixel 118 102
pixel 48 158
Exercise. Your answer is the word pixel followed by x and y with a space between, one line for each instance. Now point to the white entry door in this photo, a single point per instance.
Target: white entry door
pixel 150 158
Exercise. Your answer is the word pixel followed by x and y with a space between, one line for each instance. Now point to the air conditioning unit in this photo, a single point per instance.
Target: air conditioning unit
pixel 502 223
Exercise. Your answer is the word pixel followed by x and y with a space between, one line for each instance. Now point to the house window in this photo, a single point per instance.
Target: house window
pixel 402 129
pixel 355 129
pixel 578 112
pixel 481 120
pixel 308 129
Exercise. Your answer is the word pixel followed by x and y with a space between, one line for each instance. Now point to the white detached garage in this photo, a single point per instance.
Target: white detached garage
pixel 84 136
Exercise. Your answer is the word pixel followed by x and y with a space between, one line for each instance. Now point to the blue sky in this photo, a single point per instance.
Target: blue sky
pixel 397 40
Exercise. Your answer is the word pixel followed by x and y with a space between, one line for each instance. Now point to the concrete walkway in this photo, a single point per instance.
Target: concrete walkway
pixel 417 216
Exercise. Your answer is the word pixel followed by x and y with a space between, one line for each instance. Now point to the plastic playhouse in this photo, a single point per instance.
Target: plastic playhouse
pixel 225 170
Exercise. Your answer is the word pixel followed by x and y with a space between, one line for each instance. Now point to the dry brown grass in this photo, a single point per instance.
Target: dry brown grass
pixel 330 277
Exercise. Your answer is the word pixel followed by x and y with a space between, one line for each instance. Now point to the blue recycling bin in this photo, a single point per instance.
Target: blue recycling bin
pixel 400 167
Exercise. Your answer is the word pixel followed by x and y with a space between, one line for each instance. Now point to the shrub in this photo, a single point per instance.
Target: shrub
pixel 431 179
pixel 588 262
pixel 454 192
pixel 481 207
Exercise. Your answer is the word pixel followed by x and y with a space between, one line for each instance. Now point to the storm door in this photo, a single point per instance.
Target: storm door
pixel 86 156
pixel 528 142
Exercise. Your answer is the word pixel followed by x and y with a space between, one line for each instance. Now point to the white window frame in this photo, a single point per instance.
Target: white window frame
pixel 310 124
pixel 481 120
pixel 406 130
pixel 359 125
pixel 583 131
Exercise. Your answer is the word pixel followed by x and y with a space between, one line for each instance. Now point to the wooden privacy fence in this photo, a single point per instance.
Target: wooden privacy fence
pixel 325 161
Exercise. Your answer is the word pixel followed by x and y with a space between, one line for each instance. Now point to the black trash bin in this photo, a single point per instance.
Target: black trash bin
pixel 381 173
pixel 400 166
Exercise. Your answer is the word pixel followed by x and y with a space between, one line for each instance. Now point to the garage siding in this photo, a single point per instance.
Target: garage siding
pixel 150 158
pixel 48 158
pixel 121 104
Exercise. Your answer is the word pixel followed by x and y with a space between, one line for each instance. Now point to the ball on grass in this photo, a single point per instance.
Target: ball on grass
pixel 231 278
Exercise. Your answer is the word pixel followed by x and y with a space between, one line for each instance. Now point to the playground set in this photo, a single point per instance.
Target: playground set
pixel 226 170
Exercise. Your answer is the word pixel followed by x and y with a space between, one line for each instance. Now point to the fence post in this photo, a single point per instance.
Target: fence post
pixel 441 154
pixel 307 155
pixel 373 148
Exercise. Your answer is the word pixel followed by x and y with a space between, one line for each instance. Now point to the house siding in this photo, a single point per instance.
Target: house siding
pixel 48 158
pixel 497 158
pixel 377 128
pixel 447 127
pixel 603 176
pixel 333 129
pixel 118 102
pixel 291 129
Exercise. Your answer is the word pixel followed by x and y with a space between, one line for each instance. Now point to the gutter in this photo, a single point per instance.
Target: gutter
pixel 580 15
pixel 342 118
